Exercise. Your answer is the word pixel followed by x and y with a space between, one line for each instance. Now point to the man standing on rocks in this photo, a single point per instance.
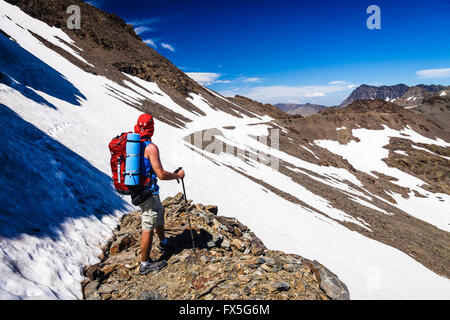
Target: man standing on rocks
pixel 152 209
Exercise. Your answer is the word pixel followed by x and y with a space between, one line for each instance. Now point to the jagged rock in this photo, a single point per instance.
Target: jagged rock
pixel 94 272
pixel 237 232
pixel 123 274
pixel 226 244
pixel 108 288
pixel 200 207
pixel 329 282
pixel 257 250
pixel 123 257
pixel 266 267
pixel 289 267
pixel 150 295
pixel 90 291
pixel 212 209
pixel 217 238
pixel 173 200
pixel 277 286
pixel 238 244
pixel 204 259
pixel 122 244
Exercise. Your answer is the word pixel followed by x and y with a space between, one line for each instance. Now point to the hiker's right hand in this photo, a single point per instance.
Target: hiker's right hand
pixel 180 174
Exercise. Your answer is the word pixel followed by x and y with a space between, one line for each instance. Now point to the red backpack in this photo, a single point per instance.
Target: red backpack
pixel 117 147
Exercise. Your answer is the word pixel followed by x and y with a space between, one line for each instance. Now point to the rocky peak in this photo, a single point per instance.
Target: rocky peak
pixel 372 92
pixel 230 262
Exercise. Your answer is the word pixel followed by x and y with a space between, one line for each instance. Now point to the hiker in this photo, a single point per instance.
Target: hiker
pixel 152 209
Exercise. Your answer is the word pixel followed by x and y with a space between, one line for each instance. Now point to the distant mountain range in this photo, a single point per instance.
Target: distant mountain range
pixel 401 94
pixel 391 93
pixel 306 109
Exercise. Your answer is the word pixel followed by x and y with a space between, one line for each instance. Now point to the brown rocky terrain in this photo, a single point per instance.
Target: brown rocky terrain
pixel 437 109
pixel 421 99
pixel 229 262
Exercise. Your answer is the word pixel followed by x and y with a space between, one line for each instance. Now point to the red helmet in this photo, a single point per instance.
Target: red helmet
pixel 145 126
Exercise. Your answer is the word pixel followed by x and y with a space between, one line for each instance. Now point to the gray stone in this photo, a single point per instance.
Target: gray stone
pixel 124 257
pixel 108 288
pixel 247 236
pixel 90 291
pixel 204 259
pixel 226 244
pixel 289 267
pixel 150 295
pixel 330 283
pixel 216 237
pixel 212 209
pixel 266 260
pixel 266 267
pixel 277 286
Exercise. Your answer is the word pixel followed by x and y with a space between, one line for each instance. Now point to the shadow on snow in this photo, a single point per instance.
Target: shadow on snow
pixel 43 183
pixel 22 71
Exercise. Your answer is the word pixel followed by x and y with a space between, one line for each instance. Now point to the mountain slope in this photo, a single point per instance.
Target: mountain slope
pixel 306 109
pixel 321 202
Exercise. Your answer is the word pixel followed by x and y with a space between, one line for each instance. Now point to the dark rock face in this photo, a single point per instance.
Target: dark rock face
pixel 372 92
pixel 329 282
pixel 229 262
pixel 400 92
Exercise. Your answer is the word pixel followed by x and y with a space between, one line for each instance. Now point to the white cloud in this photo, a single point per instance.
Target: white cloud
pixel 337 82
pixel 94 3
pixel 222 81
pixel 141 22
pixel 142 29
pixel 204 78
pixel 150 42
pixel 280 94
pixel 314 94
pixel 434 73
pixel 167 46
pixel 252 80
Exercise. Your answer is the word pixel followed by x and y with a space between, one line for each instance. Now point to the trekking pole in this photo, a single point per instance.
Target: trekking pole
pixel 189 217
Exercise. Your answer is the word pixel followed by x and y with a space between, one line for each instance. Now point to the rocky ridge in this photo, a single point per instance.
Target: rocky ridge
pixel 305 110
pixel 229 262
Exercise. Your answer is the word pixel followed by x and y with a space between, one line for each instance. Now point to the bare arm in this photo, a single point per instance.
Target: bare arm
pixel 152 153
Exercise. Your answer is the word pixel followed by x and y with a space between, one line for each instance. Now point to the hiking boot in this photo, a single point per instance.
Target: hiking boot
pixel 152 266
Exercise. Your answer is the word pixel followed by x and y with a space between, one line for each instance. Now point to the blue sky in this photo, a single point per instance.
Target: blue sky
pixel 295 51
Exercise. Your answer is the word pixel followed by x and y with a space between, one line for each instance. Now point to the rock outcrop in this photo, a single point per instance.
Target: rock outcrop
pixel 229 262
